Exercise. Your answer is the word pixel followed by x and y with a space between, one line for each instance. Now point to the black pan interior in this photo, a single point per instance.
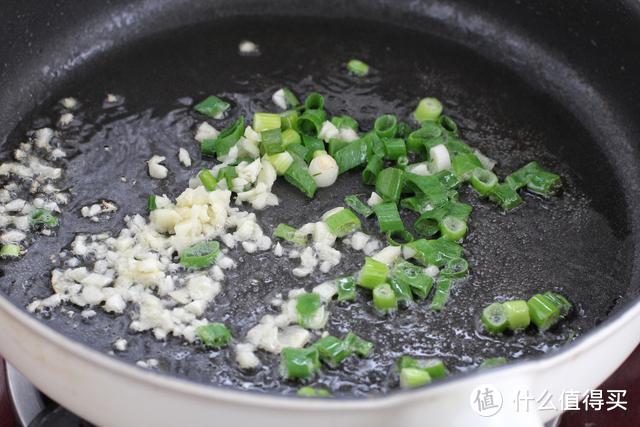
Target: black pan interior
pixel 580 243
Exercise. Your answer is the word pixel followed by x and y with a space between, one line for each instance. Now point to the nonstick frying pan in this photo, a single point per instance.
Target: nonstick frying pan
pixel 526 81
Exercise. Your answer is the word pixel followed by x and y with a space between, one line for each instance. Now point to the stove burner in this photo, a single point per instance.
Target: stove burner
pixel 33 408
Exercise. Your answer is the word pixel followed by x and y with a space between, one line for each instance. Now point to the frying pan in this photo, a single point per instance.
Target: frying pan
pixel 534 80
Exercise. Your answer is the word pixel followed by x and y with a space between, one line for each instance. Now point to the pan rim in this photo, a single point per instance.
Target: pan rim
pixel 272 400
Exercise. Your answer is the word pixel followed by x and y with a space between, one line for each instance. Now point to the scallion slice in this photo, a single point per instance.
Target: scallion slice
pixel 435 252
pixel 290 98
pixel 200 255
pixel 307 306
pixel 288 119
pixel 212 106
pixel 308 391
pixel 314 101
pixel 298 175
pixel 464 164
pixel 560 301
pixel 332 350
pixel 300 363
pixel 43 218
pixel 290 136
pixel 456 268
pixel 441 296
pixel 493 362
pixel 453 228
pixel 402 290
pixel 290 234
pixel 494 318
pixel 310 122
pixel 359 346
pixel 358 205
pixel 373 168
pixel 413 276
pixel 399 237
pixel 225 140
pixel 344 122
pixel 435 367
pixel 517 314
pixel 151 203
pixel 343 222
pixel 357 67
pixel 271 141
pixel 394 148
pixel 373 273
pixel 543 311
pixel 346 288
pixel 388 217
pixel 389 184
pixel 281 161
pixel 384 298
pixel 10 250
pixel 483 181
pixel 266 121
pixel 505 196
pixel 428 109
pixel 412 378
pixel 214 335
pixel 351 155
pixel 386 126
pixel 209 182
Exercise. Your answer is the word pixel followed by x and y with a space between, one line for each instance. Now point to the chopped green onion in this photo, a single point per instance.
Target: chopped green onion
pixel 435 252
pixel 457 147
pixel 505 196
pixel 448 124
pixel 389 184
pixel 412 378
pixel 386 126
pixel 494 318
pixel 453 228
pixel 207 179
pixel 483 181
pixel 399 237
pixel 384 299
pixel 388 217
pixel 10 251
pixel 543 311
pixel 281 161
pixel 151 203
pixel 346 288
pixel 290 234
pixel 343 222
pixel 357 67
pixel 394 148
pixel 517 314
pixel 456 268
pixel 298 175
pixel 335 144
pixel 214 335
pixel 298 151
pixel 332 350
pixel 358 205
pixel 314 101
pixel 271 141
pixel 212 106
pixel 428 109
pixel 421 140
pixel 290 136
pixel 351 155
pixel 359 346
pixel 441 296
pixel 308 391
pixel 493 362
pixel 560 301
pixel 266 121
pixel 536 179
pixel 344 122
pixel 307 306
pixel 431 186
pixel 313 145
pixel 403 130
pixel 371 171
pixel 435 367
pixel 225 140
pixel 373 273
pixel 464 165
pixel 43 218
pixel 402 162
pixel 310 122
pixel 448 179
pixel 288 119
pixel 228 173
pixel 300 363
pixel 402 290
pixel 414 276
pixel 200 255
pixel 290 98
